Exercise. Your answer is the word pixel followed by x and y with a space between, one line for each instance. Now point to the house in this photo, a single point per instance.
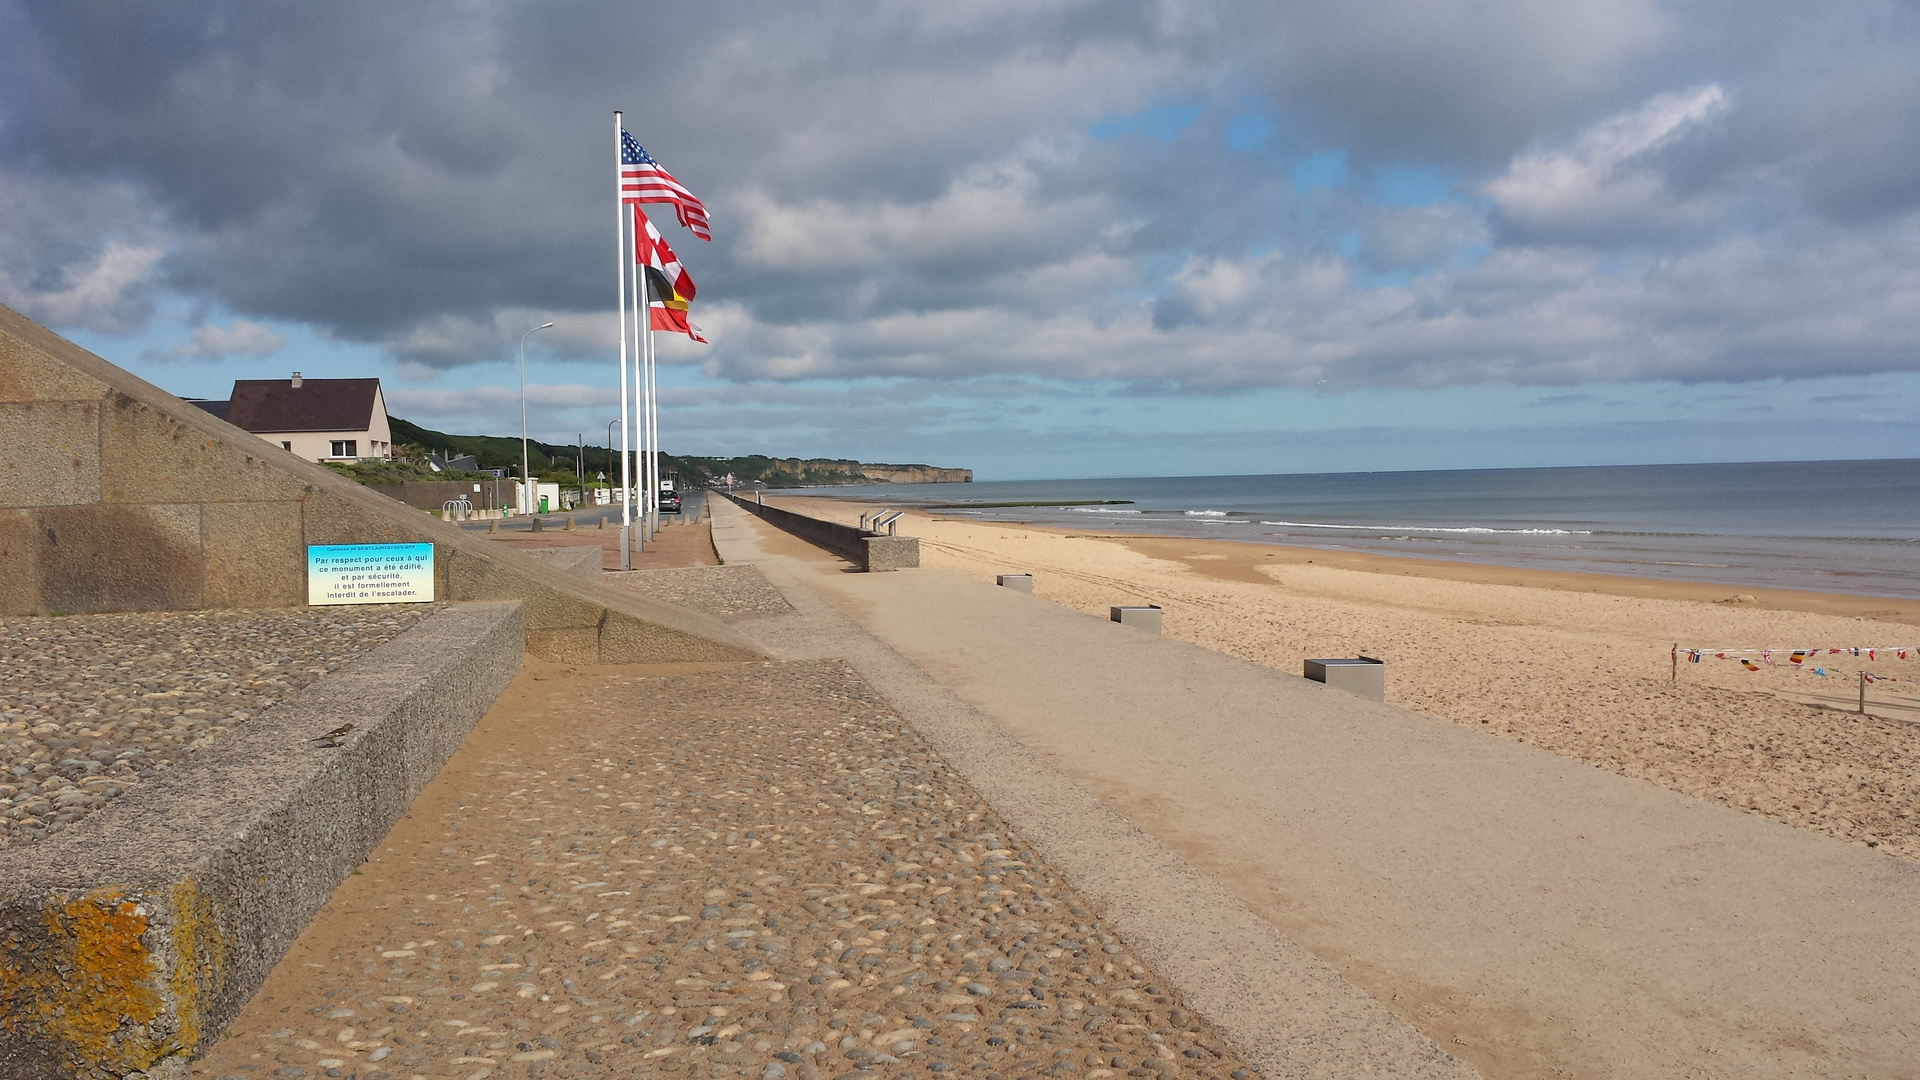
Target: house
pixel 459 462
pixel 317 419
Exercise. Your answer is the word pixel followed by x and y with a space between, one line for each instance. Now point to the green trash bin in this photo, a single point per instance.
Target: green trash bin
pixel 543 504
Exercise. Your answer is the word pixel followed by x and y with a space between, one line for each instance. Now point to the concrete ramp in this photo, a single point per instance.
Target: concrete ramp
pixel 116 495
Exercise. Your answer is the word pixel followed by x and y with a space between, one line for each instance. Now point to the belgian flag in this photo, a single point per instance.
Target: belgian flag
pixel 667 308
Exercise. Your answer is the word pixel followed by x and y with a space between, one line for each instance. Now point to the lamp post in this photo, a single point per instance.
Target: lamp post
pixel 610 468
pixel 526 478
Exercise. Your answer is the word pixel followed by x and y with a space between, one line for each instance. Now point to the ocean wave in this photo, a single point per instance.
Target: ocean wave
pixel 1099 510
pixel 1430 528
pixel 1207 513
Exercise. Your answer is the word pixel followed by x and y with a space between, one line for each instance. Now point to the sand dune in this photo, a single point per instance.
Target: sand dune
pixel 1575 664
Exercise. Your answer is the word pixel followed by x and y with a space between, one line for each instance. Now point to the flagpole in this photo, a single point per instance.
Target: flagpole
pixel 642 322
pixel 653 386
pixel 653 462
pixel 643 338
pixel 620 295
pixel 653 424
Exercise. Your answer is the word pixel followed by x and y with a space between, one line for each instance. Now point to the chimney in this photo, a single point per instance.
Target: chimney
pixel 296 380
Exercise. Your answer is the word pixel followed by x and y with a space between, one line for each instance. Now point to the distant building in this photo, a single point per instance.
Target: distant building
pixel 458 462
pixel 317 419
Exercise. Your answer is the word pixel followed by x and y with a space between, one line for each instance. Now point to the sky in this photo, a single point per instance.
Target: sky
pixel 1033 239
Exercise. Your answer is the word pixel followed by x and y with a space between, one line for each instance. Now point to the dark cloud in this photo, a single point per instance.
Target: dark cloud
pixel 1595 191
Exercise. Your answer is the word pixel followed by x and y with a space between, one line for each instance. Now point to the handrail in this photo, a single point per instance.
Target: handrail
pixel 875 520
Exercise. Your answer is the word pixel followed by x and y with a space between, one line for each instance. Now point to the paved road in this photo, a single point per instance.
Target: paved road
pixel 589 517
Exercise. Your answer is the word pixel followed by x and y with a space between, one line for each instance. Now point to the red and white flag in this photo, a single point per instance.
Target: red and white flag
pixel 669 286
pixel 642 180
pixel 651 250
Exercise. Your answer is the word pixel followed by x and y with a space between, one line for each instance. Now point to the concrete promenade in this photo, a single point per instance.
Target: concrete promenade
pixel 1533 915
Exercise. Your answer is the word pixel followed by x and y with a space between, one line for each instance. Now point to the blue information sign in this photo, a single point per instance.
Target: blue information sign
pixel 369 574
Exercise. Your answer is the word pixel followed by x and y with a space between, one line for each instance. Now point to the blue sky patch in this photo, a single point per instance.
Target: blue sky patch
pixel 1248 132
pixel 1160 122
pixel 1411 185
pixel 1325 169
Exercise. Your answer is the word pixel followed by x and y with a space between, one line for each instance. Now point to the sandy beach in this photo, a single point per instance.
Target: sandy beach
pixel 1575 664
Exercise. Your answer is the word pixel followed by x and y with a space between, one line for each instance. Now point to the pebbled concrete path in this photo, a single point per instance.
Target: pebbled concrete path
pixel 749 870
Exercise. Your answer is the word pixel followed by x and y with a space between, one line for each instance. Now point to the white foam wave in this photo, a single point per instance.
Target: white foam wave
pixel 1431 529
pixel 1098 510
pixel 1206 513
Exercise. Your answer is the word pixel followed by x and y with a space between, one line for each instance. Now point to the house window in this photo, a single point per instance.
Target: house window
pixel 346 448
pixel 284 445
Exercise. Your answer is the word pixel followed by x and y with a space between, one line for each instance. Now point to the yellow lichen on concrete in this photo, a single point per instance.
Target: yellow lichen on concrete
pixel 90 984
pixel 198 961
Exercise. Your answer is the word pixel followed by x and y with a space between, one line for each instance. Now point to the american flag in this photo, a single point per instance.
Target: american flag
pixel 642 180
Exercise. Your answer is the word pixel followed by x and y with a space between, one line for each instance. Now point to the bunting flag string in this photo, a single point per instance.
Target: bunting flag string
pixel 1807 660
pixel 1799 656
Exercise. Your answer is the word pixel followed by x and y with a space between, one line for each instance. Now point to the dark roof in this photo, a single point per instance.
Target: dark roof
pixel 217 408
pixel 262 405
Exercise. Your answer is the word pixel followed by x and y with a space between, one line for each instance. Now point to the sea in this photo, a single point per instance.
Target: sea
pixel 1824 526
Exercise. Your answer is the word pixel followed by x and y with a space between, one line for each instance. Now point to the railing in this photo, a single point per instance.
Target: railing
pixel 461 507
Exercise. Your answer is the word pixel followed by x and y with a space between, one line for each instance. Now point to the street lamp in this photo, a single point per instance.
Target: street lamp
pixel 610 469
pixel 526 478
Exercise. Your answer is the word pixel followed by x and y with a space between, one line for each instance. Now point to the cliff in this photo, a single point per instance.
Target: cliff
pixel 817 472
pixel 915 474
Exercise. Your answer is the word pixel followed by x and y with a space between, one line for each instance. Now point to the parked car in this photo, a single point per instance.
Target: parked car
pixel 669 501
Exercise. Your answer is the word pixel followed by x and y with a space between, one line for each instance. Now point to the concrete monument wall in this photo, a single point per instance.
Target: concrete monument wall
pixel 129 942
pixel 115 495
pixel 870 551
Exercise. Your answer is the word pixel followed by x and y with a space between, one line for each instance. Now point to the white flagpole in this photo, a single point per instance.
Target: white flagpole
pixel 620 294
pixel 640 385
pixel 642 334
pixel 653 428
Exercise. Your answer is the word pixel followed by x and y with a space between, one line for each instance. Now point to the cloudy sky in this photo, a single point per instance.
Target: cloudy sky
pixel 1038 239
